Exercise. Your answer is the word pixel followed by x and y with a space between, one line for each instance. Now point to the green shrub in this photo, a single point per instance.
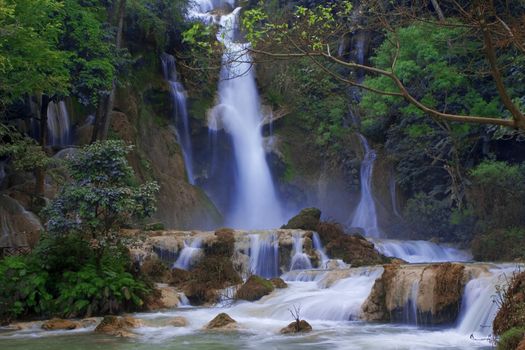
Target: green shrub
pixel 511 338
pixel 497 193
pixel 23 288
pixel 500 245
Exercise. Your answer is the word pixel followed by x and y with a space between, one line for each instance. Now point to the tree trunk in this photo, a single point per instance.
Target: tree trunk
pixel 105 107
pixel 40 173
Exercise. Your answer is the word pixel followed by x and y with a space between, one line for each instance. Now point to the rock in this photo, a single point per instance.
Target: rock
pixel 279 283
pixel 20 326
pixel 89 322
pixel 352 249
pixel 297 327
pixel 521 345
pixel 254 289
pixel 222 321
pixel 307 219
pixel 178 321
pixel 56 324
pixel 21 228
pixel 118 326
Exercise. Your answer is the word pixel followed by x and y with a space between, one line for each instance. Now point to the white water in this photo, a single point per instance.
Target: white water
pixel 393 196
pixel 255 203
pixel 365 216
pixel 318 246
pixel 181 119
pixel 420 251
pixel 300 261
pixel 189 255
pixel 58 124
pixel 264 255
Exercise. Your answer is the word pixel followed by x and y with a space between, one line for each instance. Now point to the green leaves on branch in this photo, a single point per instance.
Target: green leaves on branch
pixel 24 152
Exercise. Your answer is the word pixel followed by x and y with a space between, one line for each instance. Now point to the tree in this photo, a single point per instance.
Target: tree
pixel 100 198
pixel 315 32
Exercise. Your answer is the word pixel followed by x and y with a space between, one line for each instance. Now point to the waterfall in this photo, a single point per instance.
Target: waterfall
pixel 478 307
pixel 300 261
pixel 318 246
pixel 420 251
pixel 393 196
pixel 264 254
pixel 365 216
pixel 254 201
pixel 2 172
pixel 181 118
pixel 58 124
pixel 189 255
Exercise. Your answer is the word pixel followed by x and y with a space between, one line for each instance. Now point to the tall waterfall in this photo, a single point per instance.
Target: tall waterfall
pixel 365 216
pixel 254 201
pixel 181 119
pixel 58 124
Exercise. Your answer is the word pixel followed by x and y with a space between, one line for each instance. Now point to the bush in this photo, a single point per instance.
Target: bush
pixel 497 194
pixel 500 245
pixel 510 339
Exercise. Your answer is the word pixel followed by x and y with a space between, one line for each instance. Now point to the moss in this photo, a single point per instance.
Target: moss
pixel 511 338
pixel 500 245
pixel 254 289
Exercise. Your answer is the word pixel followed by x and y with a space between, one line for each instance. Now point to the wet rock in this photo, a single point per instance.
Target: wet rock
pixel 118 326
pixel 254 289
pixel 352 249
pixel 279 283
pixel 222 322
pixel 57 324
pixel 307 219
pixel 89 322
pixel 178 321
pixel 297 327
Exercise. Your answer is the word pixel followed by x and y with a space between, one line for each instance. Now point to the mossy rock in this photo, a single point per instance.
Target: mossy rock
pixel 254 289
pixel 279 283
pixel 222 321
pixel 223 245
pixel 300 326
pixel 511 339
pixel 307 219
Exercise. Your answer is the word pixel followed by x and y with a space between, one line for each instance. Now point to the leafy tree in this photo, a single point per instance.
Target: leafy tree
pixel 23 151
pixel 100 198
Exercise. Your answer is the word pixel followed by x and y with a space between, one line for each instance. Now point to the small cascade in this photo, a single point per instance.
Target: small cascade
pixel 2 172
pixel 58 124
pixel 318 246
pixel 264 255
pixel 181 118
pixel 478 307
pixel 420 251
pixel 189 255
pixel 411 314
pixel 365 216
pixel 254 203
pixel 300 261
pixel 393 196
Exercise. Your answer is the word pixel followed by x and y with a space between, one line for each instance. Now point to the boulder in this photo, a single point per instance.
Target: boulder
pixel 352 249
pixel 222 322
pixel 254 289
pixel 279 283
pixel 300 326
pixel 307 219
pixel 57 324
pixel 118 326
pixel 178 321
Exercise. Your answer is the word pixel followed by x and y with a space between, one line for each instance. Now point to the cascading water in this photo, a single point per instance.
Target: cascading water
pixel 318 246
pixel 181 119
pixel 58 124
pixel 420 251
pixel 189 255
pixel 365 216
pixel 264 255
pixel 300 261
pixel 393 196
pixel 254 202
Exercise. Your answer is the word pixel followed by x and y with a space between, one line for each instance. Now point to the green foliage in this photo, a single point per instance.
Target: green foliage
pixel 24 152
pixel 500 245
pixel 23 289
pixel 101 196
pixel 30 60
pixel 511 338
pixel 497 193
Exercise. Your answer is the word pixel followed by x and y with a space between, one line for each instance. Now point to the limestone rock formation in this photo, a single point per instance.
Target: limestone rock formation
pixel 222 321
pixel 118 326
pixel 56 324
pixel 300 326
pixel 307 219
pixel 279 283
pixel 254 289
